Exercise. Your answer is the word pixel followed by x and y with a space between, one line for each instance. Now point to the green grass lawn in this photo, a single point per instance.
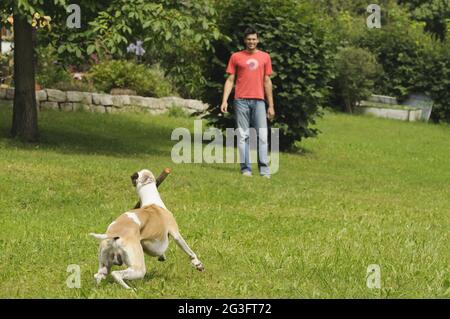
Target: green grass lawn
pixel 366 191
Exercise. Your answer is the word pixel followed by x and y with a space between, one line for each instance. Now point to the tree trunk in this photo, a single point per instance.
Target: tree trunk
pixel 348 106
pixel 0 38
pixel 25 117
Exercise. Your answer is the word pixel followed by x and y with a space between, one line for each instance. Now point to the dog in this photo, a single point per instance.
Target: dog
pixel 143 230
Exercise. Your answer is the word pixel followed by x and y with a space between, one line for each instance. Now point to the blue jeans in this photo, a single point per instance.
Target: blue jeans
pixel 251 113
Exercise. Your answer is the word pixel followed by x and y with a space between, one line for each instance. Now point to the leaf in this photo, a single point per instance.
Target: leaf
pixel 205 25
pixel 90 49
pixel 78 53
pixel 61 49
pixel 216 34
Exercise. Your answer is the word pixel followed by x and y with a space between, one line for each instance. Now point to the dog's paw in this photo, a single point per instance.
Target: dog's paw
pixel 198 265
pixel 99 277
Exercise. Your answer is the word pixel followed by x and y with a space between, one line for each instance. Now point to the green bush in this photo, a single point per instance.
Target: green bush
pixel 175 34
pixel 75 85
pixel 398 53
pixel 412 61
pixel 301 56
pixel 6 68
pixel 434 79
pixel 128 75
pixel 435 14
pixel 50 72
pixel 356 70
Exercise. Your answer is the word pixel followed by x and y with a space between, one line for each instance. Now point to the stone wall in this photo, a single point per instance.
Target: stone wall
pixel 389 107
pixel 416 107
pixel 396 114
pixel 106 103
pixel 383 99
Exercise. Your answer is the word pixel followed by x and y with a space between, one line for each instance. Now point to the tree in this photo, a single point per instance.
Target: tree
pixel 25 121
pixel 175 34
pixel 356 69
pixel 355 7
pixel 435 13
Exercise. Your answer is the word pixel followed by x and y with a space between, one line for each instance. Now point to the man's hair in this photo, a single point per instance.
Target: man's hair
pixel 250 30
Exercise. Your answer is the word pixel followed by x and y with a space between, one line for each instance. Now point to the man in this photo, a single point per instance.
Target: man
pixel 252 69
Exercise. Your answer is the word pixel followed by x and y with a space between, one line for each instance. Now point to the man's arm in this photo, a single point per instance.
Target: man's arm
pixel 269 95
pixel 226 93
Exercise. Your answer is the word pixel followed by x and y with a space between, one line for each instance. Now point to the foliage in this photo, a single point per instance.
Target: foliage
pixel 433 78
pixel 355 7
pixel 175 34
pixel 356 70
pixel 412 61
pixel 52 74
pixel 128 75
pixel 435 13
pixel 301 56
pixel 347 28
pixel 6 68
pixel 72 43
pixel 49 72
pixel 29 7
pixel 397 48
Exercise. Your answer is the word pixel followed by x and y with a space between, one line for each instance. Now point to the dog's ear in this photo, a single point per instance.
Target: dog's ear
pixel 100 236
pixel 103 236
pixel 135 176
pixel 148 178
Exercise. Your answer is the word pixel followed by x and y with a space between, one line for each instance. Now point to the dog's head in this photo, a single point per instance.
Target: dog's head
pixel 143 177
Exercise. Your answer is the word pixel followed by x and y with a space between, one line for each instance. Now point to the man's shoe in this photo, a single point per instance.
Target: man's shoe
pixel 266 176
pixel 247 173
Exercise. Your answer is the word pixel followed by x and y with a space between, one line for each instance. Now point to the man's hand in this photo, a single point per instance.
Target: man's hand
pixel 224 107
pixel 271 113
pixel 226 93
pixel 268 92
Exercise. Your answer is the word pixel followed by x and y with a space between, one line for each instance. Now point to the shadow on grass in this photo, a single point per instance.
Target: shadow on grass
pixel 104 134
pixel 87 133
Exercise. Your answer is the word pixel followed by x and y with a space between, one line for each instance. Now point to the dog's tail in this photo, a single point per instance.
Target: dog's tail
pixel 103 236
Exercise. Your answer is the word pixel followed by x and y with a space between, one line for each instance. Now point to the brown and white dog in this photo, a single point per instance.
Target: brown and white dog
pixel 145 229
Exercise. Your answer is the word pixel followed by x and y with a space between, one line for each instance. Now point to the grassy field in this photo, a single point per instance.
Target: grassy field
pixel 366 191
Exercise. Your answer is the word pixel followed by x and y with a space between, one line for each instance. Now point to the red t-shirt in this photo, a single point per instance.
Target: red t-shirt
pixel 250 69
